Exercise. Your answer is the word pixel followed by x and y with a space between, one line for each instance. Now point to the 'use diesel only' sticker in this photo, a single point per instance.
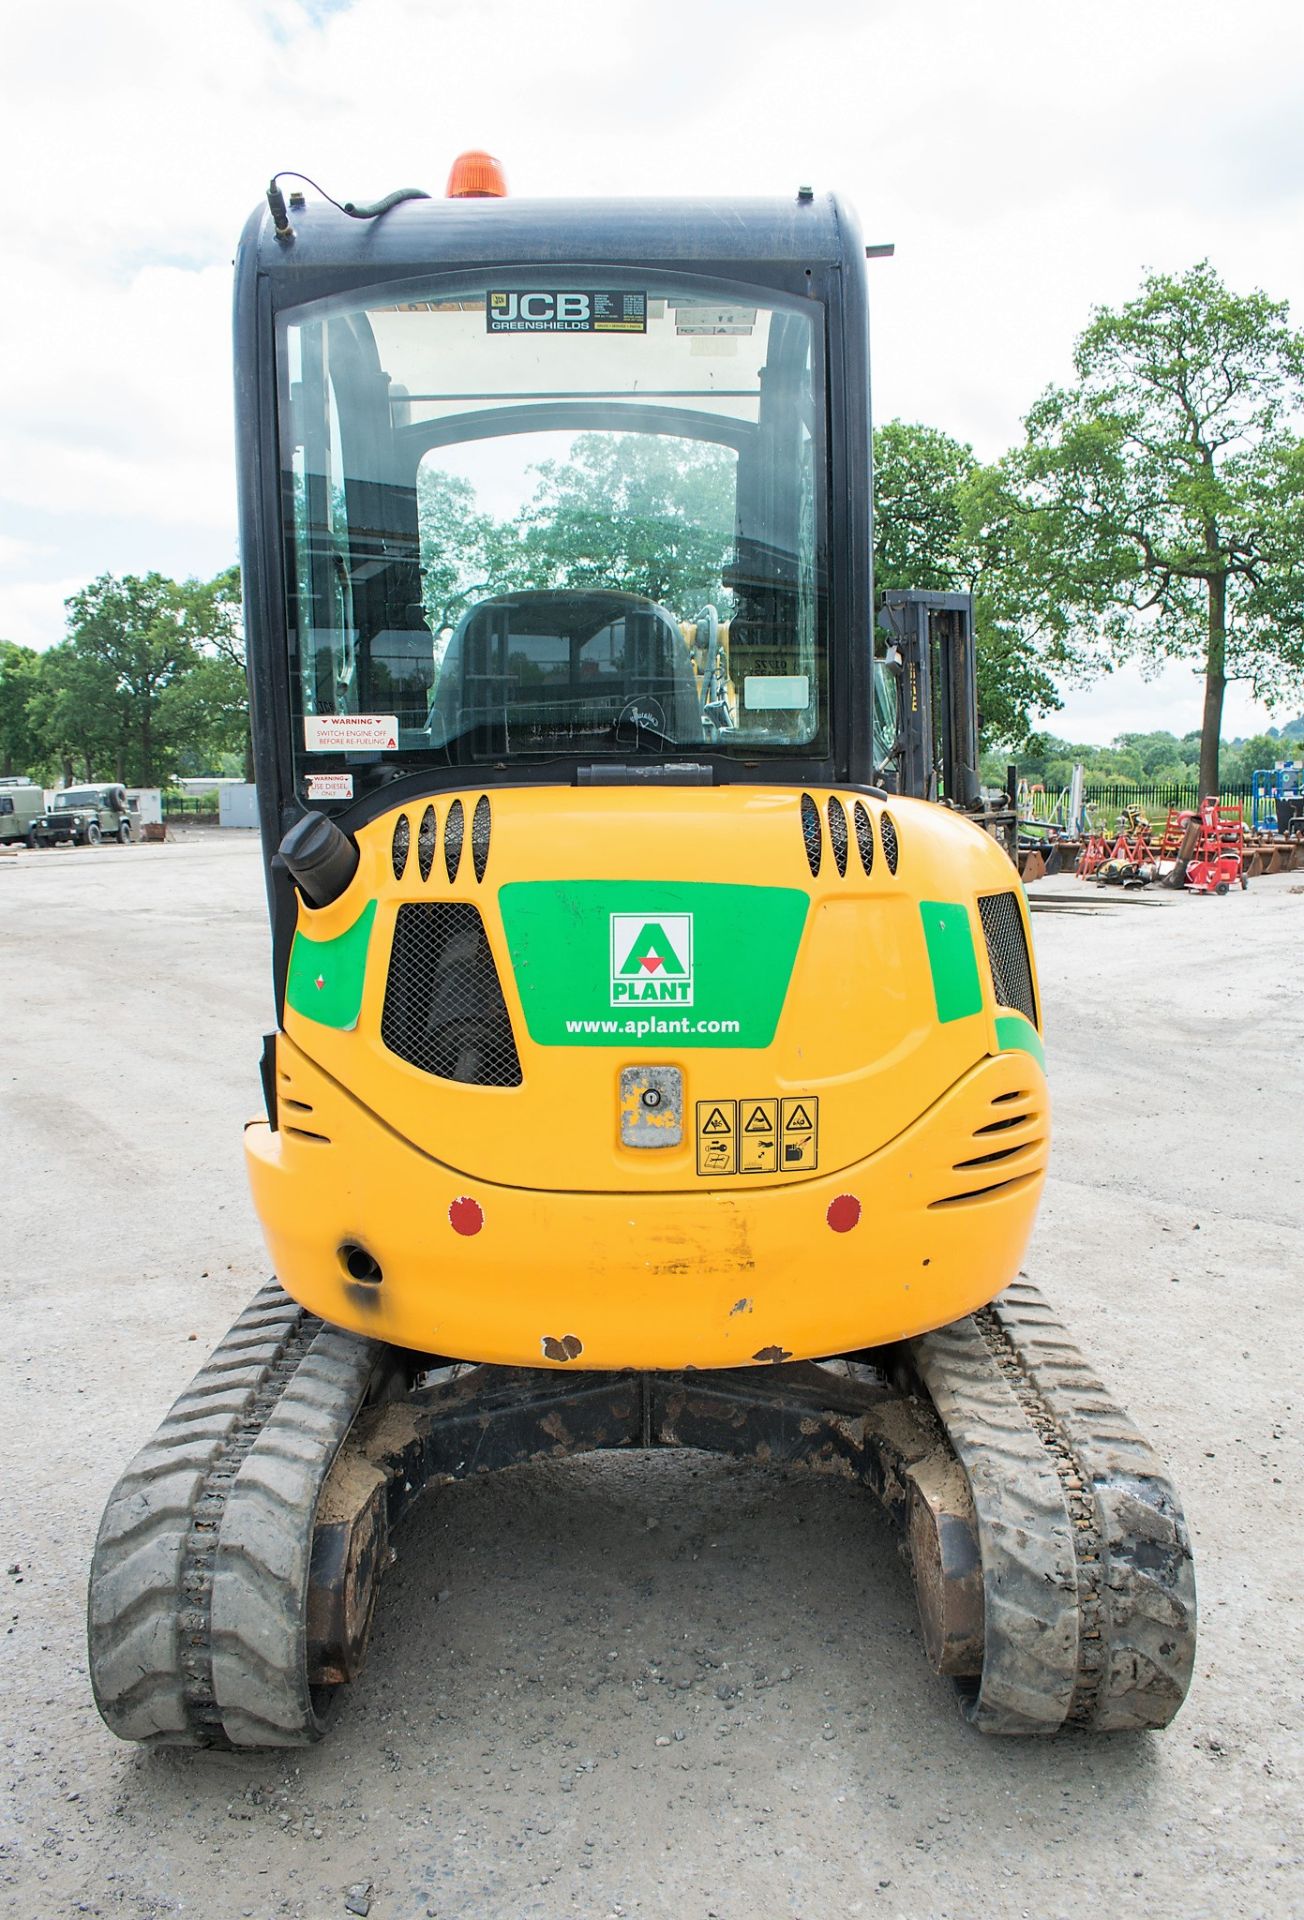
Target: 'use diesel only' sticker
pixel 557 310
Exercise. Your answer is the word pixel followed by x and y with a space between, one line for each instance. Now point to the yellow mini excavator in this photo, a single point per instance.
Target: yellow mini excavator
pixel 658 1057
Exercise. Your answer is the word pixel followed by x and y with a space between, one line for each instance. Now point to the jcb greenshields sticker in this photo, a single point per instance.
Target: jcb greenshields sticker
pixel 614 963
pixel 564 310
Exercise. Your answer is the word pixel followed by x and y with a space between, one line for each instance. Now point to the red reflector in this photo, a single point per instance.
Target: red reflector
pixel 476 175
pixel 466 1215
pixel 843 1213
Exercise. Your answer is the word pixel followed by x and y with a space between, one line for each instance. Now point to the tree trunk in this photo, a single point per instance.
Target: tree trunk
pixel 1215 685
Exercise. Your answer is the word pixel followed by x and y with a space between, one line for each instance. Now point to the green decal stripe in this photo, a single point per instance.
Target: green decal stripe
pixel 956 986
pixel 722 984
pixel 1014 1034
pixel 326 976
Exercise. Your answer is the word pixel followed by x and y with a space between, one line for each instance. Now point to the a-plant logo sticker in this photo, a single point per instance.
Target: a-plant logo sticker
pixel 652 959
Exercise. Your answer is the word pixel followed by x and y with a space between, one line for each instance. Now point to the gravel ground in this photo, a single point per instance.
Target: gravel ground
pixel 667 1685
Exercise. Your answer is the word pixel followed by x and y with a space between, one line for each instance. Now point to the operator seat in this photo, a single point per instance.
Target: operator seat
pixel 583 663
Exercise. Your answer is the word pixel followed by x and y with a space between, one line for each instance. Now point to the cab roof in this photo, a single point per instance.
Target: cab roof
pixel 330 250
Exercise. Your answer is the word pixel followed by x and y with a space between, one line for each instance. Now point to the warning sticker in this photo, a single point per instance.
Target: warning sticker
pixel 557 310
pixel 717 1136
pixel 349 732
pixel 703 319
pixel 799 1131
pixel 757 1141
pixel 758 1136
pixel 330 786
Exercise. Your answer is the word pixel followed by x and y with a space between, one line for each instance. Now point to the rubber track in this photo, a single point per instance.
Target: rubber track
pixel 1088 1582
pixel 196 1615
pixel 1147 1586
pixel 1025 1537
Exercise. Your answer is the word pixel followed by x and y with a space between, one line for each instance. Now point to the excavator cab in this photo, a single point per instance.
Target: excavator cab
pixel 644 1072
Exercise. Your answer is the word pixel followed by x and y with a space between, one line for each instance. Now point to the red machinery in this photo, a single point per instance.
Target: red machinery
pixel 1130 859
pixel 1219 858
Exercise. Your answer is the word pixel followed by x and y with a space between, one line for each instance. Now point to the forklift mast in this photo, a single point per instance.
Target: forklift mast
pixel 933 751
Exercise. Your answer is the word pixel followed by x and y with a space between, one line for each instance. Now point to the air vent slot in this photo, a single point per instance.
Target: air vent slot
pixel 454 829
pixel 400 844
pixel 813 834
pixel 887 833
pixel 1004 1187
pixel 996 1155
pixel 480 825
pixel 1007 952
pixel 426 843
pixel 838 833
pixel 444 1009
pixel 864 837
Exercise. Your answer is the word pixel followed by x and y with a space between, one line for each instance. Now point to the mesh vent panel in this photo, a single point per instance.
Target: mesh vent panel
pixel 888 835
pixel 838 832
pixel 864 837
pixel 812 834
pixel 1007 952
pixel 426 843
pixel 480 824
pixel 444 1009
pixel 454 827
pixel 398 852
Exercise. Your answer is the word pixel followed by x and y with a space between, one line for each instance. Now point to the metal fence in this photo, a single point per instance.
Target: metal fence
pixel 1157 796
pixel 190 806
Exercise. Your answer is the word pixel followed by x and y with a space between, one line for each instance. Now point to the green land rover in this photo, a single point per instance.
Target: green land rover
pixel 86 816
pixel 21 801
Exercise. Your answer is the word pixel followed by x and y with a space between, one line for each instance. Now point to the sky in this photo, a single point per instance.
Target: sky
pixel 1029 160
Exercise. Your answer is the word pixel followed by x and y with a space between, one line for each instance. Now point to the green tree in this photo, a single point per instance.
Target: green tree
pixel 460 547
pixel 20 673
pixel 921 538
pixel 1161 755
pixel 942 523
pixel 1244 758
pixel 204 715
pixel 1162 495
pixel 136 631
pixel 75 713
pixel 152 670
pixel 635 511
pixel 212 714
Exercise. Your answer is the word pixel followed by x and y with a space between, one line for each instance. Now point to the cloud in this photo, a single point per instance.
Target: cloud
pixel 16 553
pixel 131 412
pixel 32 612
pixel 1029 161
pixel 1128 701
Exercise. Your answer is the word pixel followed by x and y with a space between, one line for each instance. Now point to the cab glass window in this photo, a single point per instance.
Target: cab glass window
pixel 561 518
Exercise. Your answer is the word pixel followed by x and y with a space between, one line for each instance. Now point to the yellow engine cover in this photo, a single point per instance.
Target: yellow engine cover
pixel 628 1078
